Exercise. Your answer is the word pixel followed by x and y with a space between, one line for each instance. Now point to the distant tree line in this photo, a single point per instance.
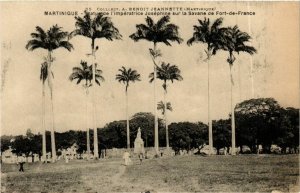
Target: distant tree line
pixel 259 122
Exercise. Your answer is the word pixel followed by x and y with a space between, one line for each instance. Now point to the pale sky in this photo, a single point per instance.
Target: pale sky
pixel 275 32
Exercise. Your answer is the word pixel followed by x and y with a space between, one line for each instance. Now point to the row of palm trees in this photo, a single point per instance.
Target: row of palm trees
pixel 229 39
pixel 216 38
pixel 165 73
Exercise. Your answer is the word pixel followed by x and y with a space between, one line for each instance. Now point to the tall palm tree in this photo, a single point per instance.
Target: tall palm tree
pixel 127 76
pixel 234 41
pixel 161 106
pixel 50 40
pixel 208 33
pixel 166 72
pixel 85 73
pixel 94 28
pixel 160 32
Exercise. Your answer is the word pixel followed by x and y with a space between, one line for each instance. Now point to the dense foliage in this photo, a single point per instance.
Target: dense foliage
pixel 186 135
pixel 262 121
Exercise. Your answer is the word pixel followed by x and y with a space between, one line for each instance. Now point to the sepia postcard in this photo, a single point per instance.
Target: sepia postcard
pixel 149 96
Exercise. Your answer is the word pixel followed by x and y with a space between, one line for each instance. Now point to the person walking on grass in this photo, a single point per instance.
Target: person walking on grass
pixel 21 162
pixel 141 156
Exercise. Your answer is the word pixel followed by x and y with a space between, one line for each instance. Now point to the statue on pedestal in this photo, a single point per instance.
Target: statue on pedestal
pixel 139 143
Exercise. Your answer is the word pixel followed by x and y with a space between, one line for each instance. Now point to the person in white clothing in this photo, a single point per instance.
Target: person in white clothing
pixel 21 162
pixel 126 157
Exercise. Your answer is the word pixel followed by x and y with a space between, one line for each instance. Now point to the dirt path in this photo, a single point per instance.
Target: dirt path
pixel 98 179
pixel 116 179
pixel 121 183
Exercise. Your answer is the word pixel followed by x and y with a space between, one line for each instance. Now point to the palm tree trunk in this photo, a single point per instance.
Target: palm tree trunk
pixel 50 84
pixel 127 122
pixel 232 115
pixel 251 60
pixel 43 124
pixel 239 67
pixel 240 86
pixel 96 153
pixel 165 116
pixel 88 145
pixel 52 133
pixel 210 133
pixel 156 143
pixel 252 79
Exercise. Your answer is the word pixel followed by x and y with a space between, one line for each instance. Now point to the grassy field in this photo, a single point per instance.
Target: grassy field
pixel 243 173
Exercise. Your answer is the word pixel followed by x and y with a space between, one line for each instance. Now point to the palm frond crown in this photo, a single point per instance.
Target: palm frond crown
pixel 208 33
pixel 50 40
pixel 85 72
pixel 125 76
pixel 167 72
pixel 235 41
pixel 98 27
pixel 160 32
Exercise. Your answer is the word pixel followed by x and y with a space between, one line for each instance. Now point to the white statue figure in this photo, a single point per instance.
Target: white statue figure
pixel 139 143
